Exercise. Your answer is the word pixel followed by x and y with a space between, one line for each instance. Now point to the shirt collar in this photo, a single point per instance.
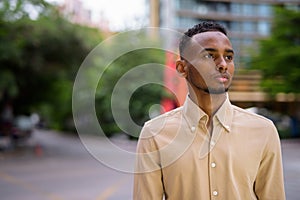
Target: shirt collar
pixel 225 114
pixel 193 114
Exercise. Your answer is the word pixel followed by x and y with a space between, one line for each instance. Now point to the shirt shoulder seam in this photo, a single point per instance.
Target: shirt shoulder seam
pixel 236 108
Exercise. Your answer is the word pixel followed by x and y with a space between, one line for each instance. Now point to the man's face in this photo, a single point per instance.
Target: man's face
pixel 210 62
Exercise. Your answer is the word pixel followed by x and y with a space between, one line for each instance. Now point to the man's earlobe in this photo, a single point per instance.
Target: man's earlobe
pixel 181 68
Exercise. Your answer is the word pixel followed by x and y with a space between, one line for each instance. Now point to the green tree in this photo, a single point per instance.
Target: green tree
pixel 40 56
pixel 142 96
pixel 279 55
pixel 126 63
pixel 39 59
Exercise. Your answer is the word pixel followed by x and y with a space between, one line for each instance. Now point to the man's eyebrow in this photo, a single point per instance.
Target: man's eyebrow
pixel 229 51
pixel 215 50
pixel 208 49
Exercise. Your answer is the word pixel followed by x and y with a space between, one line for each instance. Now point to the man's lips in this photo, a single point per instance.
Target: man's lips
pixel 222 78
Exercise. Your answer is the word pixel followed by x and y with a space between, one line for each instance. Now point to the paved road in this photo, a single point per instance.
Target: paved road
pixel 291 165
pixel 58 167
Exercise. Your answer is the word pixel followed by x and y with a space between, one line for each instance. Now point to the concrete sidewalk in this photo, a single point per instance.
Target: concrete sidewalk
pixel 291 166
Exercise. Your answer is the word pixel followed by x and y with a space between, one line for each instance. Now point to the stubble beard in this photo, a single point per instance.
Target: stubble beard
pixel 211 90
pixel 214 91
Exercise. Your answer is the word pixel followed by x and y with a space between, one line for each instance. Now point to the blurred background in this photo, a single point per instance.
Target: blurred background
pixel 43 44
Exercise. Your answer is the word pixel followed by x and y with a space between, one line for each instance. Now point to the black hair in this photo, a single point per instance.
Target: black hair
pixel 204 26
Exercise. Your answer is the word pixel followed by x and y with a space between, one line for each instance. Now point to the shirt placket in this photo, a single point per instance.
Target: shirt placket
pixel 212 162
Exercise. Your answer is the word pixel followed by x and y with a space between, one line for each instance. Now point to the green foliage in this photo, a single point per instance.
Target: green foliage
pixel 39 59
pixel 279 55
pixel 142 96
pixel 12 10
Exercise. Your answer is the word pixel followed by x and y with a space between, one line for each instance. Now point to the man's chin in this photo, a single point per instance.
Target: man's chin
pixel 216 91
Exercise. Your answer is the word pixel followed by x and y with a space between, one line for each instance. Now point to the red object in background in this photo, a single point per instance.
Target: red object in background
pixel 174 84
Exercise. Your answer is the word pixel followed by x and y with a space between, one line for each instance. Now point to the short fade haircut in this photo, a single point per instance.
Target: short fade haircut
pixel 204 26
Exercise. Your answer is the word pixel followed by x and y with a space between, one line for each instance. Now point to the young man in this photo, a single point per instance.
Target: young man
pixel 208 148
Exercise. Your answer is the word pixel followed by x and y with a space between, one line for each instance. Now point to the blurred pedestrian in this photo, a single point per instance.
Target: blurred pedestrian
pixel 208 148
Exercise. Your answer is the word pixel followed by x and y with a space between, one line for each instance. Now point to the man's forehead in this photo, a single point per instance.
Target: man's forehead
pixel 200 40
pixel 209 34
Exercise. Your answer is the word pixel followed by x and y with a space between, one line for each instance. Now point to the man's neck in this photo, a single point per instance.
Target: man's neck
pixel 209 103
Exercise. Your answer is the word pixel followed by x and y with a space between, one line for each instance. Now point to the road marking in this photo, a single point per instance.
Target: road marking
pixel 28 186
pixel 108 192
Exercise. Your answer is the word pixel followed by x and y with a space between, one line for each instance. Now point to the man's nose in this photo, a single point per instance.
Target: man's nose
pixel 221 64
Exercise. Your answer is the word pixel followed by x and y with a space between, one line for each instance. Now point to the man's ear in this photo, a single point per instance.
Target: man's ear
pixel 181 67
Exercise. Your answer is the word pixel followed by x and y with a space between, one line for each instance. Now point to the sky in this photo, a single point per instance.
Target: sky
pixel 121 14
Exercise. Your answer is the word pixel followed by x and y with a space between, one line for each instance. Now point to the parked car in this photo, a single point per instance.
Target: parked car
pixel 14 132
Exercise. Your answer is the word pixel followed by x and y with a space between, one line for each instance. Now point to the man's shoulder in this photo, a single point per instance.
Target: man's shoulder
pixel 249 116
pixel 164 120
pixel 172 114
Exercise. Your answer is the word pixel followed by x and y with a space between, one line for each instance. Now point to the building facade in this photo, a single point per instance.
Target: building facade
pixel 246 20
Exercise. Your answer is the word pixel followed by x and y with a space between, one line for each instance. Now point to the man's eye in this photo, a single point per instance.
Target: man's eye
pixel 229 58
pixel 209 56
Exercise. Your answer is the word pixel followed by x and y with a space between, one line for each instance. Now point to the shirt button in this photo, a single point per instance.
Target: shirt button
pixel 212 143
pixel 215 193
pixel 213 165
pixel 193 128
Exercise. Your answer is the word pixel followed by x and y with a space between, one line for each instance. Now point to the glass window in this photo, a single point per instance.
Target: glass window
pixel 222 7
pixel 264 10
pixel 248 27
pixel 186 4
pixel 184 22
pixel 248 9
pixel 235 26
pixel 264 28
pixel 235 8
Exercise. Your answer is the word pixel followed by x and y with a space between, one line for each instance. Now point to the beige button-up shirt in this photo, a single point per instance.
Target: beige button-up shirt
pixel 180 160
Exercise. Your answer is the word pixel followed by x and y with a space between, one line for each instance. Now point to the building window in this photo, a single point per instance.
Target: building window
pixel 249 10
pixel 235 26
pixel 248 27
pixel 264 28
pixel 236 9
pixel 264 10
pixel 187 4
pixel 223 7
pixel 184 22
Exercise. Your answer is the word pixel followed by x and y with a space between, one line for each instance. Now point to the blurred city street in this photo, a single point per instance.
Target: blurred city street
pixel 58 167
pixel 85 63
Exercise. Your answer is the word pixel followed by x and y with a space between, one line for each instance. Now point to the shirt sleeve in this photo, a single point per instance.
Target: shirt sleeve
pixel 148 177
pixel 269 184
